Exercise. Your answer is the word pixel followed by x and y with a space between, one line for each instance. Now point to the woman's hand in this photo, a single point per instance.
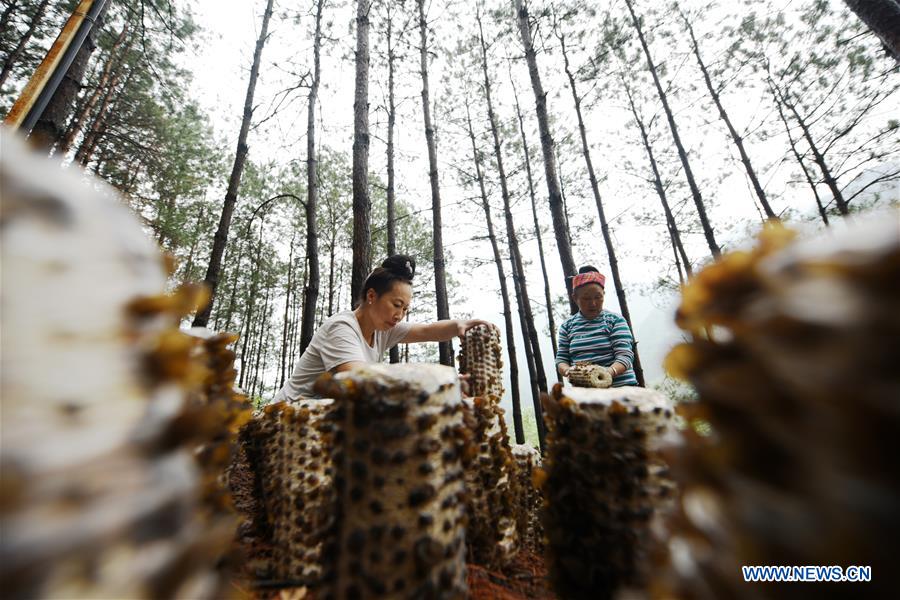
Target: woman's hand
pixel 463 325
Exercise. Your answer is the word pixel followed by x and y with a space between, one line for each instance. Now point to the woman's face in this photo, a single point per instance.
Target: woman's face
pixel 589 299
pixel 389 308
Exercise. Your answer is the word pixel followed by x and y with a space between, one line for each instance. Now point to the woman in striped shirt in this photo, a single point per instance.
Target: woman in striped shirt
pixel 595 335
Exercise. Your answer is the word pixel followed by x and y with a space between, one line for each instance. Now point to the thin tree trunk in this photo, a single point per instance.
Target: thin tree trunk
pixel 551 322
pixel 735 137
pixel 51 124
pixel 504 295
pixel 796 153
pixel 440 277
pixel 557 212
pixel 311 292
pixel 248 317
pixel 236 268
pixel 14 54
pixel 287 307
pixel 362 256
pixel 682 153
pixel 261 346
pixel 115 59
pixel 88 144
pixel 562 192
pixel 818 157
pixel 883 18
pixel 657 184
pixel 189 264
pixel 529 331
pixel 100 123
pixel 392 119
pixel 221 237
pixel 675 253
pixel 604 225
pixel 298 312
pixel 331 270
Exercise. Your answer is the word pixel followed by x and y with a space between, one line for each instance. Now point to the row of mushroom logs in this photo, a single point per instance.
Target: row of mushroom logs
pixel 116 425
pixel 791 456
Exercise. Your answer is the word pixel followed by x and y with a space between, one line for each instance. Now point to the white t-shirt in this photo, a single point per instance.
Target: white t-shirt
pixel 339 340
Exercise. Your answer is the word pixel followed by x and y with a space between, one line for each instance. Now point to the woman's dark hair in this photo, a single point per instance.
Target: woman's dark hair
pixel 588 269
pixel 399 267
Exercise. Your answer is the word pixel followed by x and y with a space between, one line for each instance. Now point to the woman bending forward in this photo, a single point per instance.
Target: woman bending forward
pixel 355 337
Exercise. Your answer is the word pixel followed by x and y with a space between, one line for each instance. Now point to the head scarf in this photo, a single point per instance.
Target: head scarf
pixel 586 278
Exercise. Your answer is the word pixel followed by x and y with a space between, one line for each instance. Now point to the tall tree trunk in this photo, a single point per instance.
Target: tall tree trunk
pixel 392 119
pixel 657 184
pixel 261 346
pixel 16 52
pixel 551 322
pixel 529 331
pixel 331 287
pixel 189 263
pixel 236 268
pixel 114 62
pixel 883 18
pixel 298 317
pixel 504 295
pixel 557 212
pixel 677 259
pixel 735 137
pixel 221 237
pixel 604 225
pixel 362 255
pixel 796 153
pixel 682 153
pixel 52 123
pixel 101 121
pixel 440 277
pixel 91 139
pixel 287 307
pixel 818 157
pixel 519 278
pixel 562 192
pixel 311 292
pixel 248 315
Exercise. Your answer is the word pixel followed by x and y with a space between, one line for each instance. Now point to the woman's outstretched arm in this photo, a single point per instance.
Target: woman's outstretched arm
pixel 440 331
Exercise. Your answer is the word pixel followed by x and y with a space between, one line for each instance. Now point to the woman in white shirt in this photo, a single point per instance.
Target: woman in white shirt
pixel 354 337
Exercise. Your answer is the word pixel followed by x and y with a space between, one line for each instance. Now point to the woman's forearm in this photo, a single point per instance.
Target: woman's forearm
pixel 445 330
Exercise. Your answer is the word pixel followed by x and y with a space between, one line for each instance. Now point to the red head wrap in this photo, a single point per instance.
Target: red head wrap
pixel 586 278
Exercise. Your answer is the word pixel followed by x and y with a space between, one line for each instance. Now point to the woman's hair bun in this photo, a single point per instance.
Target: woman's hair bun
pixel 588 269
pixel 400 265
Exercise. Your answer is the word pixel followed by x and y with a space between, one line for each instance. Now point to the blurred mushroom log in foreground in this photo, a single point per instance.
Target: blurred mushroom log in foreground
pixel 398 441
pixel 289 476
pixel 491 533
pixel 528 498
pixel 116 425
pixel 799 394
pixel 605 487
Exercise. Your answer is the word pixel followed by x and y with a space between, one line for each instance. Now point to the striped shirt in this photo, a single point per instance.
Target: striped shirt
pixel 602 341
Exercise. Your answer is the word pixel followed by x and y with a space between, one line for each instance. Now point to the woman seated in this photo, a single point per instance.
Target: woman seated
pixel 595 335
pixel 355 337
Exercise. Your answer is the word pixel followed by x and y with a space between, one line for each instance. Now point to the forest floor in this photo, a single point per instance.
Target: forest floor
pixel 523 579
